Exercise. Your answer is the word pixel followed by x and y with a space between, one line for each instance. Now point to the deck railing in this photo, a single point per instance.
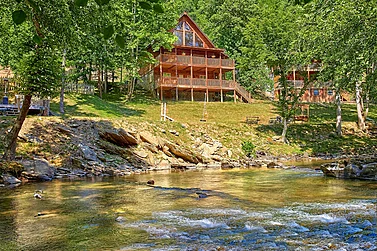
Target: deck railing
pixel 181 59
pixel 243 92
pixel 196 82
pixel 296 83
pixel 198 60
pixel 213 61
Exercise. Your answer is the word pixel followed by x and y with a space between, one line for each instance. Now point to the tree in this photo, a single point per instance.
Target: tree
pixel 345 40
pixel 273 39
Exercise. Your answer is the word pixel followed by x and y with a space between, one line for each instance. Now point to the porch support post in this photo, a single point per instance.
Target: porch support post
pixel 235 97
pixel 161 78
pixel 221 95
pixel 176 94
pixel 192 76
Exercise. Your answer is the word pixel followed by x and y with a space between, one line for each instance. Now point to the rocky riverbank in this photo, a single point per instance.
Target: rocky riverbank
pixel 76 148
pixel 87 148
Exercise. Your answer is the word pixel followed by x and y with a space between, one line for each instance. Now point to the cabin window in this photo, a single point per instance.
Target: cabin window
pixel 189 41
pixel 179 34
pixel 316 92
pixel 187 27
pixel 198 41
pixel 167 74
pixel 330 92
pixel 179 26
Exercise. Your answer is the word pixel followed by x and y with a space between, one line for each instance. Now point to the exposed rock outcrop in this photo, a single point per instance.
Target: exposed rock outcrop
pixel 354 169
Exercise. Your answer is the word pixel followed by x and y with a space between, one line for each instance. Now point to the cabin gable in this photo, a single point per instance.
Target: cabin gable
pixel 189 34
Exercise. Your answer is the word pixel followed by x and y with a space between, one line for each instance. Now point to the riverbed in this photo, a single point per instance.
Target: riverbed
pixel 254 209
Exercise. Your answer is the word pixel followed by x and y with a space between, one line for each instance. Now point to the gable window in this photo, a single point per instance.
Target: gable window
pixel 179 34
pixel 316 92
pixel 187 36
pixel 189 40
pixel 187 27
pixel 330 92
pixel 198 41
pixel 179 26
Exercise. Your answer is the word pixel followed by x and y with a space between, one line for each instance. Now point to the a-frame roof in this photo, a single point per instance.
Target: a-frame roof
pixel 186 18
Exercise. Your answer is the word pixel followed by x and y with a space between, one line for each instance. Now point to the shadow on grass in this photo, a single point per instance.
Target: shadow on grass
pixel 111 106
pixel 320 138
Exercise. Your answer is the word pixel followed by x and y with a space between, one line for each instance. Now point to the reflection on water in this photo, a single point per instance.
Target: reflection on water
pixel 242 210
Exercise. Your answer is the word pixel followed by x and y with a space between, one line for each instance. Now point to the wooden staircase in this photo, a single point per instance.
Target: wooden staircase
pixel 243 93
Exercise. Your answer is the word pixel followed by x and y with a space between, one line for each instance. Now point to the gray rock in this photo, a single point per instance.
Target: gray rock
pixel 87 152
pixel 37 168
pixel 369 171
pixel 9 179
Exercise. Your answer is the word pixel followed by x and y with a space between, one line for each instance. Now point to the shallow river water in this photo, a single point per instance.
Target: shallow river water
pixel 257 209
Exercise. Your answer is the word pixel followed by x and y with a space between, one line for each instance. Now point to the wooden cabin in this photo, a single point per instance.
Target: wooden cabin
pixel 194 69
pixel 316 92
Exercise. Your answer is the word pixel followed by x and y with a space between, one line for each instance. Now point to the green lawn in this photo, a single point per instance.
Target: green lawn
pixel 226 122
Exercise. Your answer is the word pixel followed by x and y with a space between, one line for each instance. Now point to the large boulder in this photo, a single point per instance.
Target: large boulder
pixel 369 171
pixel 151 139
pixel 38 169
pixel 182 153
pixel 353 170
pixel 118 137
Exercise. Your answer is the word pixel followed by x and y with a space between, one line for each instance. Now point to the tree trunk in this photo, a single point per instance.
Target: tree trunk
pixel 99 82
pixel 112 77
pixel 106 80
pixel 61 103
pixel 11 139
pixel 338 113
pixel 131 87
pixel 285 129
pixel 359 108
pixel 366 106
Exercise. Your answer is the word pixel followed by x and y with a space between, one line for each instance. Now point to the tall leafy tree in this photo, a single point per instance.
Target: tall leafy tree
pixel 344 36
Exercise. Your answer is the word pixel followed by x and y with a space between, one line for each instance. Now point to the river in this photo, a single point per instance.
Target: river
pixel 255 209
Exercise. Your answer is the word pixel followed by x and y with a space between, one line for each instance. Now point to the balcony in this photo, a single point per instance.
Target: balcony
pixel 196 83
pixel 195 61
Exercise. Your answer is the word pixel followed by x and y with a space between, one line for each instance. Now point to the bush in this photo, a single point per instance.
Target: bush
pixel 248 148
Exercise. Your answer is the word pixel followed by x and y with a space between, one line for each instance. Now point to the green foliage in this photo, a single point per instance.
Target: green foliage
pixel 248 148
pixel 38 71
pixel 19 16
pixel 108 32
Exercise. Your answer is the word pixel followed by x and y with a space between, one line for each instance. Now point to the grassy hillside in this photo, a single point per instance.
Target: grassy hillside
pixel 226 123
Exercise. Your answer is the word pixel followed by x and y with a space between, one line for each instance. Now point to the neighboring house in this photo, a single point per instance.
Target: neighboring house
pixel 316 92
pixel 194 69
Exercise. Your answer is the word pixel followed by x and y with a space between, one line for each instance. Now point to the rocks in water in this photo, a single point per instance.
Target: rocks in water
pixel 38 169
pixel 273 165
pixel 202 195
pixel 38 196
pixel 9 179
pixel 120 219
pixel 353 170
